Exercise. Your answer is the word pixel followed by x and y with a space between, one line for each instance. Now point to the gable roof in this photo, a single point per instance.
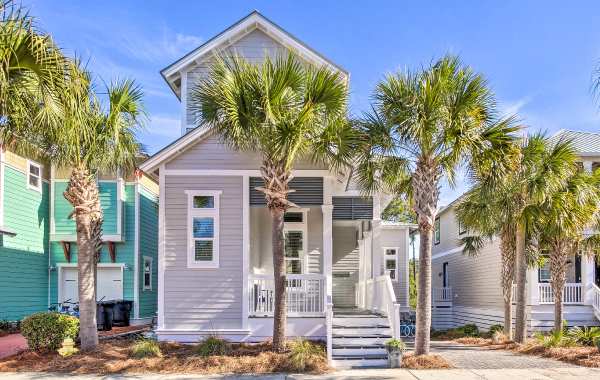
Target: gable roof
pixel 254 20
pixel 585 143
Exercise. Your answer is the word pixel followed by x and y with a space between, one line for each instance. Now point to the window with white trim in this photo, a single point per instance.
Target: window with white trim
pixel 34 176
pixel 203 228
pixel 544 270
pixel 147 273
pixel 390 262
pixel 295 231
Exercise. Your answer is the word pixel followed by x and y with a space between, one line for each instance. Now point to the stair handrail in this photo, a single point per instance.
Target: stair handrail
pixel 392 307
pixel 329 328
pixel 596 297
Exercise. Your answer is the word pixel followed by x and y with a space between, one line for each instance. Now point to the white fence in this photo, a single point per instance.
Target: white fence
pixel 305 295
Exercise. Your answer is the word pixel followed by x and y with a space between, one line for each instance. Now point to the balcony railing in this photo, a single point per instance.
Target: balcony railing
pixel 572 293
pixel 442 294
pixel 305 294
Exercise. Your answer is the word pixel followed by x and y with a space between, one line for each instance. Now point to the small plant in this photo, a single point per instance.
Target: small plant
pixel 498 337
pixel 469 330
pixel 395 345
pixel 146 348
pixel 584 336
pixel 46 331
pixel 212 346
pixel 303 353
pixel 494 328
pixel 555 339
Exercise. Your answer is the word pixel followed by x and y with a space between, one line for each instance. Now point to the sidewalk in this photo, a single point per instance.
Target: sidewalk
pixel 576 373
pixel 12 344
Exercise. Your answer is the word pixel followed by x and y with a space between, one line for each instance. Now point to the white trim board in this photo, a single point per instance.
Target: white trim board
pixel 136 254
pixel 242 172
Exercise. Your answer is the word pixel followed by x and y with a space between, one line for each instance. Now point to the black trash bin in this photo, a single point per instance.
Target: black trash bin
pixel 122 312
pixel 104 313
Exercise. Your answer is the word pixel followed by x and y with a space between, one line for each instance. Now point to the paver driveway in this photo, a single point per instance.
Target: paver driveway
pixel 473 357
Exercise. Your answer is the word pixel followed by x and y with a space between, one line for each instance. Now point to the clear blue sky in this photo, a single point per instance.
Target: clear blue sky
pixel 537 55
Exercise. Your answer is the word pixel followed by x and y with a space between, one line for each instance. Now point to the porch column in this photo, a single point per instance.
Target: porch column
pixel 376 253
pixel 587 278
pixel 327 211
pixel 533 290
pixel 245 249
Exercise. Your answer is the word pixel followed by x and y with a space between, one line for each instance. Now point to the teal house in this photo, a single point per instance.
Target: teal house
pixel 38 243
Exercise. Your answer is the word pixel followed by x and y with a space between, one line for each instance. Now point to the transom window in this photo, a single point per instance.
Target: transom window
pixel 147 273
pixel 203 228
pixel 436 233
pixel 34 176
pixel 295 241
pixel 390 257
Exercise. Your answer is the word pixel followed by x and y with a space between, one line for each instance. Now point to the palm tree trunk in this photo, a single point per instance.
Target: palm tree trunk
pixel 507 253
pixel 426 193
pixel 558 269
pixel 521 274
pixel 82 193
pixel 280 312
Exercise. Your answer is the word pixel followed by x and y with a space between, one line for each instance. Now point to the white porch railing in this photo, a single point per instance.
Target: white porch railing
pixel 442 294
pixel 596 298
pixel 305 294
pixel 572 293
pixel 378 295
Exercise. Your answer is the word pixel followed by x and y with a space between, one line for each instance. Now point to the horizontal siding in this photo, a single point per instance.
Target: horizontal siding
pixel 475 281
pixel 148 246
pixel 108 202
pixel 24 257
pixel 210 153
pixel 62 209
pixel 345 266
pixel 203 298
pixel 397 238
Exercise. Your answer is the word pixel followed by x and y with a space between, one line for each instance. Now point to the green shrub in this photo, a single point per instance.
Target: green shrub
pixel 584 336
pixel 494 328
pixel 46 331
pixel 146 348
pixel 212 346
pixel 469 330
pixel 556 339
pixel 303 353
pixel 395 345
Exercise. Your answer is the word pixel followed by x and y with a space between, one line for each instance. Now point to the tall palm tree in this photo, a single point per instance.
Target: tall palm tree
pixel 565 217
pixel 31 73
pixel 425 125
pixel 283 109
pixel 486 213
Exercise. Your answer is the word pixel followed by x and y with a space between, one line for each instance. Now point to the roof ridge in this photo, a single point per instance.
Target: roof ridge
pixel 562 130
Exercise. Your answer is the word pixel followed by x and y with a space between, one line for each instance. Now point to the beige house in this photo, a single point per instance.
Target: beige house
pixel 468 290
pixel 215 260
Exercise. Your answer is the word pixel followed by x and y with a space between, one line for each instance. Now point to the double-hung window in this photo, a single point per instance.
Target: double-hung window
pixel 147 273
pixel 203 228
pixel 390 257
pixel 295 241
pixel 34 176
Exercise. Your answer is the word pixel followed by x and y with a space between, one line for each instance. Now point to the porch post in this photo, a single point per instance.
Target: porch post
pixel 587 279
pixel 532 285
pixel 245 249
pixel 376 253
pixel 327 211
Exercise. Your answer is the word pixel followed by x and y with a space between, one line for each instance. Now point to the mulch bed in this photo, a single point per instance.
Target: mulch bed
pixel 580 355
pixel 431 361
pixel 117 330
pixel 113 356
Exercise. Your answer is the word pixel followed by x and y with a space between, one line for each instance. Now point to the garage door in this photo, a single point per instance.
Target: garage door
pixel 109 287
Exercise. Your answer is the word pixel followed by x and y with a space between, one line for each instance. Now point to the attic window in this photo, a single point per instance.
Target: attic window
pixel 34 176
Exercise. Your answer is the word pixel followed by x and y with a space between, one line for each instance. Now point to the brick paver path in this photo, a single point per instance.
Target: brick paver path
pixel 12 344
pixel 473 357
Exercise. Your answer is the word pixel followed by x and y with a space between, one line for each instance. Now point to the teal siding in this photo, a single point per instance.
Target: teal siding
pixel 148 204
pixel 124 251
pixel 24 257
pixel 62 208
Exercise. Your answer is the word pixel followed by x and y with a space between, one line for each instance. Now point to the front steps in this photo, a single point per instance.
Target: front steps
pixel 359 339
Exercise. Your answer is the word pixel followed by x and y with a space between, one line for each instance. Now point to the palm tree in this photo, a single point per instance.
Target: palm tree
pixel 284 110
pixel 486 213
pixel 426 124
pixel 31 73
pixel 565 217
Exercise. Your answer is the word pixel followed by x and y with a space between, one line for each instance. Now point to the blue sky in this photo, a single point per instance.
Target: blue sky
pixel 537 55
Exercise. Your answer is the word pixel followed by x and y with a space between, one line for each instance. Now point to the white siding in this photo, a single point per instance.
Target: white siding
pixel 397 238
pixel 203 298
pixel 345 263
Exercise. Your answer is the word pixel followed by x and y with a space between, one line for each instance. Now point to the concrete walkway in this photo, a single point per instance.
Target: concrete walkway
pixel 577 373
pixel 12 344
